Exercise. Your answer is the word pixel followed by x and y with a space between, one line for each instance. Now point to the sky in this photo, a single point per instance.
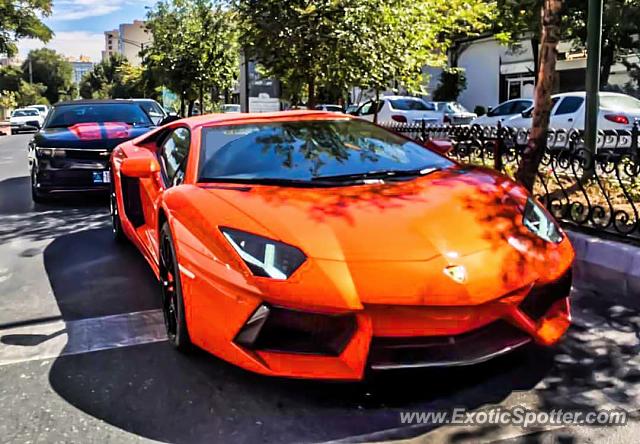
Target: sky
pixel 79 25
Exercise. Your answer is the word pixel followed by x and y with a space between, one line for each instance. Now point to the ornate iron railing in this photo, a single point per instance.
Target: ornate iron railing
pixel 598 191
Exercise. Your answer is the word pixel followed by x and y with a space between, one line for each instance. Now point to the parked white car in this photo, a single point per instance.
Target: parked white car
pixel 454 113
pixel 232 108
pixel 330 108
pixel 503 112
pixel 400 109
pixel 617 111
pixel 25 119
pixel 42 109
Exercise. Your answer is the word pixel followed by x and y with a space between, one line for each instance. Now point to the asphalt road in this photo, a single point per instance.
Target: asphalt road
pixel 82 355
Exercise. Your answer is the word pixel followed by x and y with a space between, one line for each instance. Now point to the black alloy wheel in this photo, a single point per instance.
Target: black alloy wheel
pixel 172 301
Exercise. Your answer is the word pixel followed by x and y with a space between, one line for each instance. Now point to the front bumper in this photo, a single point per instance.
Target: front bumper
pixel 444 336
pixel 54 176
pixel 29 126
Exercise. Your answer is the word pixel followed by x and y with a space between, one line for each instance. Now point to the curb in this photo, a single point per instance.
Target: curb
pixel 603 263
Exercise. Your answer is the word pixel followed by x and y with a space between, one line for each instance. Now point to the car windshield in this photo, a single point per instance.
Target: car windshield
pixel 455 107
pixel 618 102
pixel 151 107
pixel 25 113
pixel 410 105
pixel 308 150
pixel 231 108
pixel 69 115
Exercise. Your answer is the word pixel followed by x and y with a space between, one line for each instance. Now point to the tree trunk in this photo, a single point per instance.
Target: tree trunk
pixel 201 98
pixel 311 100
pixel 375 111
pixel 182 105
pixel 191 103
pixel 606 62
pixel 551 20
pixel 535 49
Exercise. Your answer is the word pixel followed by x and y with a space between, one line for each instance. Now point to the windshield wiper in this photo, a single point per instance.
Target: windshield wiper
pixel 377 175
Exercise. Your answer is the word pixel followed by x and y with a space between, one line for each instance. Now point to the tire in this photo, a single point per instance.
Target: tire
pixel 14 132
pixel 172 301
pixel 36 196
pixel 116 222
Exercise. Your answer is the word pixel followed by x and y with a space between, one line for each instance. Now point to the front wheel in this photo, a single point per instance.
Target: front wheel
pixel 172 301
pixel 116 222
pixel 35 194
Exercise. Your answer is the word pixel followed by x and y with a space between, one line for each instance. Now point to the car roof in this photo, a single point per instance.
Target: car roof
pixel 402 97
pixel 96 102
pixel 26 108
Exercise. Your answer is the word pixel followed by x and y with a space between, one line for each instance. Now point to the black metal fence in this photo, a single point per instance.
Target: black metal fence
pixel 598 191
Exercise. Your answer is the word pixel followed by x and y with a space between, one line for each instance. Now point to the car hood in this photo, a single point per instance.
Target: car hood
pixel 89 135
pixel 453 212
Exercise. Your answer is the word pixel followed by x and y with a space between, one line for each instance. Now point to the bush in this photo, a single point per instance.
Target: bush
pixel 480 110
pixel 452 82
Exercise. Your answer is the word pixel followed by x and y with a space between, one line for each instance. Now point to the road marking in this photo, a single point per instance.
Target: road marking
pixel 58 338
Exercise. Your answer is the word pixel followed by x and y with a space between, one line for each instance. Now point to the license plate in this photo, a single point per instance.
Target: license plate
pixel 102 177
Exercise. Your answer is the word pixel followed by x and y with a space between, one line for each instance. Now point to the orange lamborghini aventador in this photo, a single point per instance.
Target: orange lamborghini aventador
pixel 316 245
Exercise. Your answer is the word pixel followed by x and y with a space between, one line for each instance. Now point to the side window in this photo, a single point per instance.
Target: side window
pixel 569 105
pixel 501 110
pixel 520 106
pixel 174 154
pixel 369 108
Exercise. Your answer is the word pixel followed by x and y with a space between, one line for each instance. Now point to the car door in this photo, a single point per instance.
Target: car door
pixel 566 113
pixel 497 114
pixel 172 154
pixel 367 110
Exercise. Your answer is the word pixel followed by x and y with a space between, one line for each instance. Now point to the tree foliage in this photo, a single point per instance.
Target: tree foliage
pixel 369 43
pixel 21 19
pixel 194 47
pixel 53 71
pixel 116 78
pixel 12 83
pixel 452 83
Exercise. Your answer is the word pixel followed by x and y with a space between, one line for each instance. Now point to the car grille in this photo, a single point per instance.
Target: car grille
pixel 81 154
pixel 438 351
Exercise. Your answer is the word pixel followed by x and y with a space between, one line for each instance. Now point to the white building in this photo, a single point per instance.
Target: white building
pixel 496 73
pixel 81 66
pixel 129 39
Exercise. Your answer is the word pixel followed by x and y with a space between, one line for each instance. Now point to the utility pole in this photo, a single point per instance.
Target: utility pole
pixel 594 49
pixel 30 71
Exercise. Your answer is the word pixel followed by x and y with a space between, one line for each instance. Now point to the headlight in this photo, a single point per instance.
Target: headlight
pixel 50 152
pixel 265 257
pixel 537 221
pixel 44 152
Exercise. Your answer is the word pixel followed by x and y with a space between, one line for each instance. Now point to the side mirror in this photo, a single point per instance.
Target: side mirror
pixel 139 167
pixel 441 146
pixel 170 118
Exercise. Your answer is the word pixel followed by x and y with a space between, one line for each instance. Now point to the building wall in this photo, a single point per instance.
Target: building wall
pixel 110 44
pixel 481 62
pixel 132 37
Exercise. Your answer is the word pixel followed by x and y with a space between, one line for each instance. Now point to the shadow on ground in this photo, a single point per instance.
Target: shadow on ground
pixel 155 392
pixel 24 220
